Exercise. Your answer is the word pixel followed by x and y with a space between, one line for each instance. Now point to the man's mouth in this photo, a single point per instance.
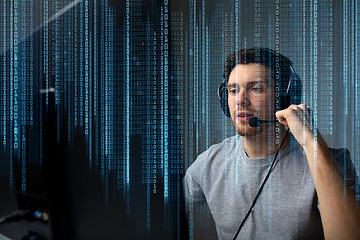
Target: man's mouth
pixel 244 116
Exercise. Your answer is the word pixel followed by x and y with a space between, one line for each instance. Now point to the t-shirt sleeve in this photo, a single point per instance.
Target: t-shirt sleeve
pixel 193 191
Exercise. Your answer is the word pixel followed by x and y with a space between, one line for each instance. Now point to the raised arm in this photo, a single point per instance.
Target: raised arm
pixel 340 215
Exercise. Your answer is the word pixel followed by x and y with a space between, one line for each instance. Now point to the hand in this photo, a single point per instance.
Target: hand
pixel 297 118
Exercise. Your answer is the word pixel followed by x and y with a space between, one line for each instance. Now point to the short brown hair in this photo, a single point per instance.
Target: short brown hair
pixel 280 66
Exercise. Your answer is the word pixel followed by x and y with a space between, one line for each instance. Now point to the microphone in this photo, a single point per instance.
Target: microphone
pixel 255 121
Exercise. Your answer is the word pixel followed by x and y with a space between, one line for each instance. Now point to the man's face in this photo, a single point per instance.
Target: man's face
pixel 251 93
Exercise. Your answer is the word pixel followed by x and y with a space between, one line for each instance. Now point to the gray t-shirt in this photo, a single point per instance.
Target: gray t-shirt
pixel 227 180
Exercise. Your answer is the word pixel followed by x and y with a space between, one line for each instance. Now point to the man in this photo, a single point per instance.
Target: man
pixel 306 196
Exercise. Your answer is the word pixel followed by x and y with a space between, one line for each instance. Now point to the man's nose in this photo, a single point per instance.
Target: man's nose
pixel 242 98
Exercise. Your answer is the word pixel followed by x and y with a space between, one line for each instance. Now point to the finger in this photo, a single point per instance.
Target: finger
pixel 280 113
pixel 302 106
pixel 305 113
pixel 295 110
pixel 307 110
pixel 280 116
pixel 283 121
pixel 296 107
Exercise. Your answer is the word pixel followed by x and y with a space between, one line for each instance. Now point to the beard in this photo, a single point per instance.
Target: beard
pixel 243 128
pixel 262 131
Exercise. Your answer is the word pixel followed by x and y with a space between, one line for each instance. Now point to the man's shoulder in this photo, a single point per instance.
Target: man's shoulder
pixel 219 149
pixel 211 162
pixel 217 153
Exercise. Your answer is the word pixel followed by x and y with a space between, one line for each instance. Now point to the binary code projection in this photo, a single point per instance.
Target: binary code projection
pixel 138 81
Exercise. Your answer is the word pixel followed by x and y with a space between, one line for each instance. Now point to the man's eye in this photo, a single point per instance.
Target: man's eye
pixel 233 91
pixel 257 89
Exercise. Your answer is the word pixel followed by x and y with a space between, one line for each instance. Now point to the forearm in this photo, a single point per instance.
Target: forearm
pixel 339 214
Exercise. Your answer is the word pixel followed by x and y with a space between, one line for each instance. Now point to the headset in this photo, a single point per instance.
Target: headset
pixel 284 102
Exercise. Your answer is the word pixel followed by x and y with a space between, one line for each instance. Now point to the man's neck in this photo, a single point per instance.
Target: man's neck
pixel 264 144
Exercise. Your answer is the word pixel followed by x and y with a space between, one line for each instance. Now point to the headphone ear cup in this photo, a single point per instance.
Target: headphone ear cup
pixel 294 85
pixel 296 89
pixel 284 101
pixel 223 97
